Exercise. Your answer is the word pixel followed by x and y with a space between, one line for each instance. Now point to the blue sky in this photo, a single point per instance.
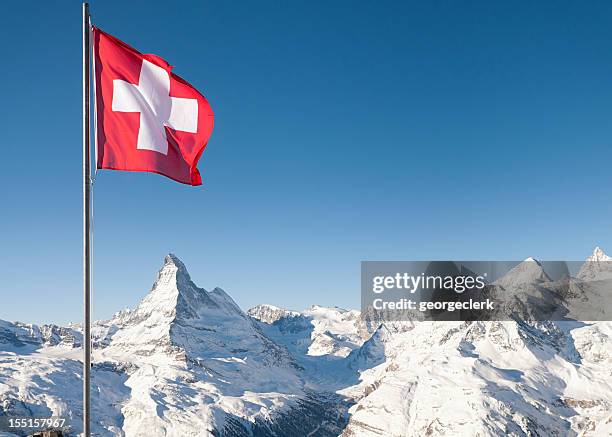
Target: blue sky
pixel 345 131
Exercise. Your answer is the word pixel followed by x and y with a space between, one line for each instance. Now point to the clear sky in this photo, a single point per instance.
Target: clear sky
pixel 345 131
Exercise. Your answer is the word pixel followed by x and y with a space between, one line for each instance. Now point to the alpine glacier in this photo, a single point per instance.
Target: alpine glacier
pixel 189 362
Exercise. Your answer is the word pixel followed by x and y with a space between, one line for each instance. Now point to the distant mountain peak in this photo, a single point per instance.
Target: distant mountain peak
pixel 598 266
pixel 527 272
pixel 267 313
pixel 599 255
pixel 335 308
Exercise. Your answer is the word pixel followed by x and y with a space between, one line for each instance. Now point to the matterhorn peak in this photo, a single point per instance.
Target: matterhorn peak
pixel 172 261
pixel 180 323
pixel 173 274
pixel 172 258
pixel 174 294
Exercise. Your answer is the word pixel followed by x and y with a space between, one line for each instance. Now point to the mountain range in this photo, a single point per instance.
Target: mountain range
pixel 190 362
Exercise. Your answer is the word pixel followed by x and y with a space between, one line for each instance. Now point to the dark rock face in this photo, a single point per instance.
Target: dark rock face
pixel 319 414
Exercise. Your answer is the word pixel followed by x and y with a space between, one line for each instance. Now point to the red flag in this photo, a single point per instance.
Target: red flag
pixel 147 118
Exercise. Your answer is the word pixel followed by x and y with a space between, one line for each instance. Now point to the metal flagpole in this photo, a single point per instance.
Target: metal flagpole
pixel 86 227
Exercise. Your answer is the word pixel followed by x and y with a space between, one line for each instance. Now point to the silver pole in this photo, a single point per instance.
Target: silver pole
pixel 86 228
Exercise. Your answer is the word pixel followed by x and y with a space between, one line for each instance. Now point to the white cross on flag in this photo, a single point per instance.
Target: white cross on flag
pixel 147 118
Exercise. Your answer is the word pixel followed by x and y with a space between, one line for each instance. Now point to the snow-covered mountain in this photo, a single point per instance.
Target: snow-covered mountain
pixel 190 362
pixel 185 362
pixel 269 313
pixel 530 271
pixel 597 267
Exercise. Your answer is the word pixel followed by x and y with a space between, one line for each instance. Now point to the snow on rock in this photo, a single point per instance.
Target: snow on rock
pixel 269 313
pixel 598 266
pixel 335 331
pixel 529 271
pixel 481 378
pixel 372 352
pixel 318 331
pixel 22 334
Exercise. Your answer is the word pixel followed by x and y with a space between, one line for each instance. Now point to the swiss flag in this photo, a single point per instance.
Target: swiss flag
pixel 147 118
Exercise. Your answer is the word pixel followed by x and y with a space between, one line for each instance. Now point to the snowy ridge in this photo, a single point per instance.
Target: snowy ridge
pixel 269 313
pixel 190 362
pixel 22 334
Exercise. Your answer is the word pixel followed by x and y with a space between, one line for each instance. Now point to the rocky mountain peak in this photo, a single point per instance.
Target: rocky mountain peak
pixel 174 294
pixel 173 267
pixel 269 313
pixel 178 319
pixel 529 271
pixel 372 352
pixel 598 266
pixel 599 255
pixel 173 260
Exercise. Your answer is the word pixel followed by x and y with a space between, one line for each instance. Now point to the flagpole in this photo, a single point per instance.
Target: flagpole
pixel 86 227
